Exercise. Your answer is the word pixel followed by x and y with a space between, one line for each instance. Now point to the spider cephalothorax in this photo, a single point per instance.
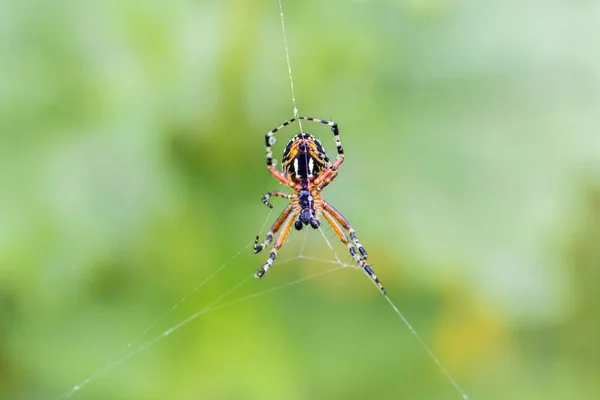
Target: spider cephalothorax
pixel 307 171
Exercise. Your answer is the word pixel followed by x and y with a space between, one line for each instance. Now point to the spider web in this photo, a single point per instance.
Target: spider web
pixel 141 342
pixel 145 340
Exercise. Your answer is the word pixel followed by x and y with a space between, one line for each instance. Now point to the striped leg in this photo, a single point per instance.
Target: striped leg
pixel 285 230
pixel 325 179
pixel 275 193
pixel 276 225
pixel 336 136
pixel 344 222
pixel 342 236
pixel 270 141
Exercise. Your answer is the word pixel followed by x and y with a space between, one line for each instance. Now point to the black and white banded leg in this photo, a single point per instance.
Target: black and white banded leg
pixel 356 242
pixel 276 193
pixel 274 228
pixel 344 222
pixel 270 140
pixel 285 230
pixel 361 261
pixel 336 134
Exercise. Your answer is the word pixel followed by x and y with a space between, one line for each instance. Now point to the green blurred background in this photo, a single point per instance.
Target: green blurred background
pixel 132 167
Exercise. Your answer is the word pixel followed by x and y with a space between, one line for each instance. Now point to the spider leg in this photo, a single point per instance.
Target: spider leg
pixel 326 178
pixel 336 136
pixel 342 236
pixel 285 230
pixel 269 141
pixel 280 177
pixel 344 222
pixel 275 193
pixel 276 225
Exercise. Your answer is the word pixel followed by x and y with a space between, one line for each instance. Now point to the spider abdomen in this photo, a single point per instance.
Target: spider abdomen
pixel 304 158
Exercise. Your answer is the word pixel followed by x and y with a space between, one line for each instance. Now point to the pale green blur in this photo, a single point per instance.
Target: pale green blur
pixel 132 164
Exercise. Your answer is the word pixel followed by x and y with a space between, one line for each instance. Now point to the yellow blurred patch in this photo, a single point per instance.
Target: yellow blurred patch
pixel 469 331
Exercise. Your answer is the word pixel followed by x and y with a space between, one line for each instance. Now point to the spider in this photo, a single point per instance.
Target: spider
pixel 306 169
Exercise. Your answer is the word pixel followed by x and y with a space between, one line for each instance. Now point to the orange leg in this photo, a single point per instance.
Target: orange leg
pixel 276 225
pixel 269 141
pixel 280 177
pixel 344 222
pixel 285 230
pixel 325 179
pixel 276 193
pixel 342 236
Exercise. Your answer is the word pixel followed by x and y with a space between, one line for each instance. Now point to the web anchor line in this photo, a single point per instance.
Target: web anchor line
pixel 412 330
pixel 289 65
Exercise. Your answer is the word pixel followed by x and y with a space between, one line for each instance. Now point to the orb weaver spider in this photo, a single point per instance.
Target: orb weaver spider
pixel 306 169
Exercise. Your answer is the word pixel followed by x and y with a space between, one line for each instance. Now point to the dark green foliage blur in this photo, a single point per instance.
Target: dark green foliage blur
pixel 132 164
